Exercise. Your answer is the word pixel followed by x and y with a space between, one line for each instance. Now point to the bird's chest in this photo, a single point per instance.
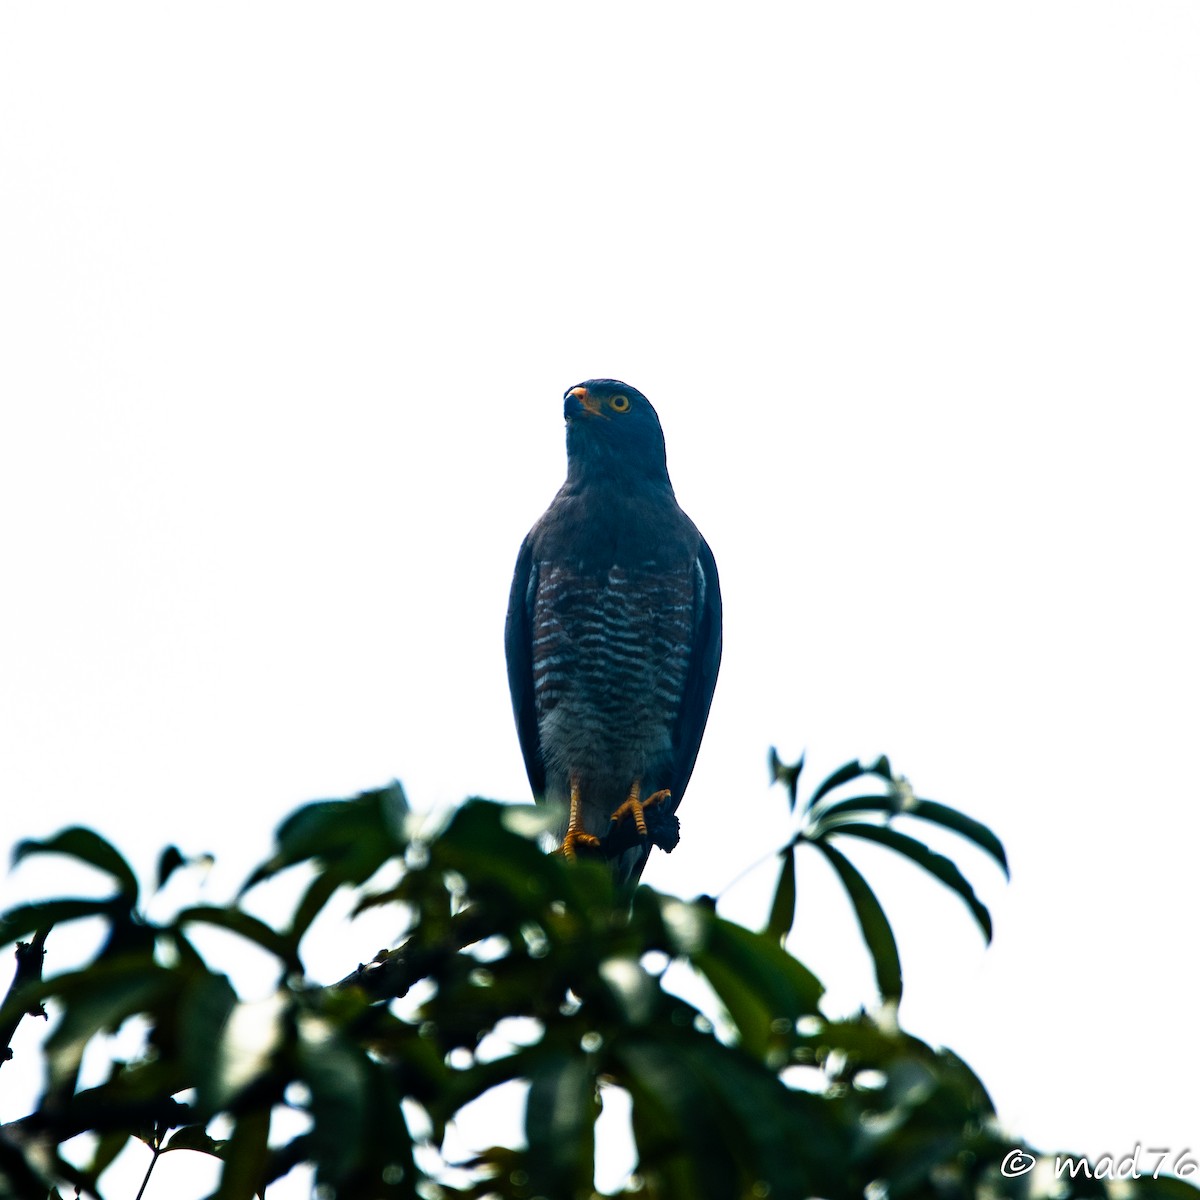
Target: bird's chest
pixel 610 650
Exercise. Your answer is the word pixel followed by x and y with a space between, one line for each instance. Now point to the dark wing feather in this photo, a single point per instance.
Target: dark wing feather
pixel 518 650
pixel 698 689
pixel 701 680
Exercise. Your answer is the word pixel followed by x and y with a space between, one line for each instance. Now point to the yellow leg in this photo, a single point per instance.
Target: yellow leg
pixel 575 837
pixel 635 806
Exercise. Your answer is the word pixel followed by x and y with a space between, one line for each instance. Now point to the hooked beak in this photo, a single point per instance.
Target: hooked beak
pixel 579 400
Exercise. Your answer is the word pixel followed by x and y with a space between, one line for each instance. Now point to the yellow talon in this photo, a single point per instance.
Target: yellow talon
pixel 636 806
pixel 573 841
pixel 575 836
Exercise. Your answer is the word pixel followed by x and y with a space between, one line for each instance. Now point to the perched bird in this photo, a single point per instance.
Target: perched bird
pixel 613 636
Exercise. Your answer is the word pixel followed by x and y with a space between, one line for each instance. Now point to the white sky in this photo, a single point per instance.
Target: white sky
pixel 289 295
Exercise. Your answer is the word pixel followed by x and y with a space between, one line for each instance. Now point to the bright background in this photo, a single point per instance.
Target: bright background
pixel 289 295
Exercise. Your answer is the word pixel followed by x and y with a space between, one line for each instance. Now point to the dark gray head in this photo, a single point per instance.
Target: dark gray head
pixel 613 433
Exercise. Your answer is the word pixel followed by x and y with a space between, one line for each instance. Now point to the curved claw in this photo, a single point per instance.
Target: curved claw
pixel 636 807
pixel 576 840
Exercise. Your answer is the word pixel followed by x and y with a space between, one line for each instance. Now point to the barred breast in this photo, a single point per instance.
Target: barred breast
pixel 610 659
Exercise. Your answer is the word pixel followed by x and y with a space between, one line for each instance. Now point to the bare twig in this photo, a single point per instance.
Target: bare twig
pixel 391 973
pixel 30 956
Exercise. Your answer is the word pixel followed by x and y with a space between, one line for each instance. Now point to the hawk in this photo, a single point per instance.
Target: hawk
pixel 613 635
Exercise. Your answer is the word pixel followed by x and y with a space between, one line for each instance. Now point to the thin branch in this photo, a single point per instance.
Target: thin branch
pixel 97 1111
pixel 391 973
pixel 30 956
pixel 160 1134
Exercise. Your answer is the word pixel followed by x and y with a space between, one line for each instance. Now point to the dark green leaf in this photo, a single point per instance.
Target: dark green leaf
pixel 844 774
pixel 882 768
pixel 108 1146
pixel 925 810
pixel 245 1155
pixel 960 823
pixel 876 931
pixel 851 770
pixel 337 1074
pixel 850 809
pixel 89 847
pixel 783 907
pixel 507 869
pixel 193 1137
pixel 634 991
pixel 560 1116
pixel 787 774
pixel 678 1129
pixel 1166 1187
pixel 772 1123
pixel 27 919
pixel 360 1143
pixel 203 1013
pixel 709 1122
pixel 244 925
pixel 351 839
pixel 685 925
pixel 99 998
pixel 169 861
pixel 764 989
pixel 937 865
pixel 315 897
pixel 190 959
pixel 24 1172
pixel 249 1047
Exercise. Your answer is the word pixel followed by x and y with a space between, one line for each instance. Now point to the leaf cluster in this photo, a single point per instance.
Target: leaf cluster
pixel 829 816
pixel 517 967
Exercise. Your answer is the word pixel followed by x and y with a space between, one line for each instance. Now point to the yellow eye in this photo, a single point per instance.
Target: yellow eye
pixel 619 404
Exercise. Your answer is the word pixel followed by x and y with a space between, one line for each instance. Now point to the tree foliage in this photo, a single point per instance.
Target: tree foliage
pixel 516 966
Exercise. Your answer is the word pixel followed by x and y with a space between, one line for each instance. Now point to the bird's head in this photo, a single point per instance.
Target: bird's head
pixel 613 430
